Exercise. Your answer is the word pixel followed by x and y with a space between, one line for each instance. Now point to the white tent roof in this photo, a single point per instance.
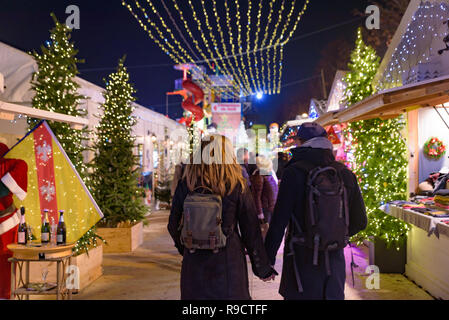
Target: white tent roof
pixel 418 14
pixel 17 68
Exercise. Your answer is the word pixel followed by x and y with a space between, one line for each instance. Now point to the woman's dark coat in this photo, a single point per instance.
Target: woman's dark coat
pixel 223 275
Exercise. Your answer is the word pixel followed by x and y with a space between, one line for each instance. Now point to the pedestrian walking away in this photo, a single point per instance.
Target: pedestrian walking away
pixel 264 188
pixel 212 221
pixel 320 202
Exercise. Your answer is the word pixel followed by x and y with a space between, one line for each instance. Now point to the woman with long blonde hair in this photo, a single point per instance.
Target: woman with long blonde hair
pixel 222 274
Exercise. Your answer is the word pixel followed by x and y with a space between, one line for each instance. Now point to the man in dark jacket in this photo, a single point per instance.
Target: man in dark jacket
pixel 316 150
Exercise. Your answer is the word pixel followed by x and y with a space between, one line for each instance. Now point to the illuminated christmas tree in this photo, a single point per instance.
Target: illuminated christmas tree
pixel 115 177
pixel 363 67
pixel 380 162
pixel 56 91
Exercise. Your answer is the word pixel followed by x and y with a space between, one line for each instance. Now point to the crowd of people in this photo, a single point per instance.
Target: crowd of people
pixel 224 210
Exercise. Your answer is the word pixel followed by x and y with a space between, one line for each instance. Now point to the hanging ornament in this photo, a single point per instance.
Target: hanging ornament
pixel 434 149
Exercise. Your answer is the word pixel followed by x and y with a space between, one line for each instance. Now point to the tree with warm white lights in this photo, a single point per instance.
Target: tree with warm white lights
pixel 363 67
pixel 115 168
pixel 56 90
pixel 380 161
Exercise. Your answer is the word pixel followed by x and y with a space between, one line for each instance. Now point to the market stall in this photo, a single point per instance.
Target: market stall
pixel 413 82
pixel 427 130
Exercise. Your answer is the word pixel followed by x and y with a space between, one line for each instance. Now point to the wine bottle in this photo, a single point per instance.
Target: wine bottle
pixel 45 229
pixel 61 231
pixel 22 235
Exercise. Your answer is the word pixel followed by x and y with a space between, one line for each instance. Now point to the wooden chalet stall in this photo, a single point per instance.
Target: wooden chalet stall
pixel 413 82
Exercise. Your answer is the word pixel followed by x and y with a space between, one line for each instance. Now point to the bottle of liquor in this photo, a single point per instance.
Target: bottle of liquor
pixel 61 231
pixel 45 229
pixel 22 236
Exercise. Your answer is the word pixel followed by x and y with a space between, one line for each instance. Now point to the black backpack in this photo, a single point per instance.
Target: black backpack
pixel 326 215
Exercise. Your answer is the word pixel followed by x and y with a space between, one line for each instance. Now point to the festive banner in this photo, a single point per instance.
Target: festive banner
pixel 53 184
pixel 227 117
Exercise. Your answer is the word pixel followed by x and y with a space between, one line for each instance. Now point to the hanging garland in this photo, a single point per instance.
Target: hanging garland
pixel 434 148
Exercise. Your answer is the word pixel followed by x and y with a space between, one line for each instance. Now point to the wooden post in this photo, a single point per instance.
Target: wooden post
pixel 13 279
pixel 27 277
pixel 413 157
pixel 58 280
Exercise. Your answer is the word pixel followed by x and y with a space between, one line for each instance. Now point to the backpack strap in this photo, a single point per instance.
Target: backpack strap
pixel 295 239
pixel 339 167
pixel 203 187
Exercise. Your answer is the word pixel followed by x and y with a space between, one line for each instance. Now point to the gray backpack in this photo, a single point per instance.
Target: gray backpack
pixel 202 219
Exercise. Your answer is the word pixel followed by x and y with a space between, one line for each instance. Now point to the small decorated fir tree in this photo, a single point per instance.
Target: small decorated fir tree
pixel 115 167
pixel 380 162
pixel 162 191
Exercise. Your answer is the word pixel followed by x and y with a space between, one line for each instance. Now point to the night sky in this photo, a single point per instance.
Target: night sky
pixel 109 31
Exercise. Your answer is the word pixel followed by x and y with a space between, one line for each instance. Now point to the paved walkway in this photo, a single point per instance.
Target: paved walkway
pixel 153 272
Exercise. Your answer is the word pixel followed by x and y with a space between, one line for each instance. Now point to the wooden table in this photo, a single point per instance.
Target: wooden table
pixel 23 255
pixel 427 250
pixel 432 225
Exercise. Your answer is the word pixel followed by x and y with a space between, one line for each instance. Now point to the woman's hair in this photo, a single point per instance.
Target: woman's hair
pixel 214 166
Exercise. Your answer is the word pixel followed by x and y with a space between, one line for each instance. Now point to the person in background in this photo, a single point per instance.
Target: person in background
pixel 302 278
pixel 252 162
pixel 206 275
pixel 243 158
pixel 264 188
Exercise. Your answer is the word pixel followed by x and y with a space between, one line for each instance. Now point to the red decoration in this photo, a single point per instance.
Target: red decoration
pixel 434 148
pixel 332 136
pixel 191 103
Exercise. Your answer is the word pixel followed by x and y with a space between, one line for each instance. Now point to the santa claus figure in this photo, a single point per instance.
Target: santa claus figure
pixel 13 181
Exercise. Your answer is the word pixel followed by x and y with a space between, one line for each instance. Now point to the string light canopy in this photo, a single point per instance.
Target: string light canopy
pixel 243 39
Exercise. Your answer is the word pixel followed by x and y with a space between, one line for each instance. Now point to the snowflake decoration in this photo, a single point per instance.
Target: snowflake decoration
pixel 48 191
pixel 44 151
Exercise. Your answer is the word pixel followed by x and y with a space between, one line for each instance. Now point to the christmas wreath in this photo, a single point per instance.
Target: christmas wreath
pixel 434 148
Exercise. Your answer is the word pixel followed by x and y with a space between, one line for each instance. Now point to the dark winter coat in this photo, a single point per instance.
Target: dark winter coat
pixel 265 191
pixel 280 165
pixel 222 275
pixel 291 200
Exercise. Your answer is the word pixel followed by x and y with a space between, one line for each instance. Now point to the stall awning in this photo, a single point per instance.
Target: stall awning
pixel 391 103
pixel 8 110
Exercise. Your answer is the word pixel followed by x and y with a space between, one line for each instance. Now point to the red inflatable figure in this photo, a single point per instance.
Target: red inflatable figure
pixel 191 103
pixel 13 181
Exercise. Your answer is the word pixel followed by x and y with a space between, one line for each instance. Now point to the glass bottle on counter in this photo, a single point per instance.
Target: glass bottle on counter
pixel 45 229
pixel 61 233
pixel 22 235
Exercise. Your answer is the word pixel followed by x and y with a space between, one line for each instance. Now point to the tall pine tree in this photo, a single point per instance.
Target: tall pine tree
pixel 115 175
pixel 56 90
pixel 380 162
